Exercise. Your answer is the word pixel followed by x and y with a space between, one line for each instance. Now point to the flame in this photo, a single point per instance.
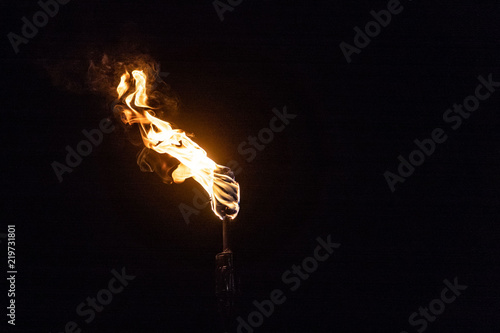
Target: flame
pixel 159 136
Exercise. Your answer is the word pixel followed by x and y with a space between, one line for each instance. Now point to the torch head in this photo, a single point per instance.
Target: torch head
pixel 227 192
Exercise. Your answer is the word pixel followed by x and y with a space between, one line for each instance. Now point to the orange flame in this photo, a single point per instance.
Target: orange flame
pixel 158 135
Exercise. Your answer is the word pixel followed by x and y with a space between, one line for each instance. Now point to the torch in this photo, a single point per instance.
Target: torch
pixel 225 286
pixel 163 143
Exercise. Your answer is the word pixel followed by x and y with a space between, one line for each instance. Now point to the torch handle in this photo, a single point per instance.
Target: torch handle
pixel 225 287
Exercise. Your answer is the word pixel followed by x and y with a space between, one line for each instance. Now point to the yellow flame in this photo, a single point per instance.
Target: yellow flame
pixel 158 135
pixel 123 86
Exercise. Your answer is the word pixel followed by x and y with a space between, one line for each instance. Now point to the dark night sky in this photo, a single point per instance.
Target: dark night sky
pixel 322 175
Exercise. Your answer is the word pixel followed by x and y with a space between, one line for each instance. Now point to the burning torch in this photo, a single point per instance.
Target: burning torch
pixel 163 143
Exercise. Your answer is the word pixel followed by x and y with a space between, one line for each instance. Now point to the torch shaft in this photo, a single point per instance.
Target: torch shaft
pixel 225 287
pixel 225 234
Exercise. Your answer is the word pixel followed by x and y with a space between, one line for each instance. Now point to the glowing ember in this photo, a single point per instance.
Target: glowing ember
pixel 159 136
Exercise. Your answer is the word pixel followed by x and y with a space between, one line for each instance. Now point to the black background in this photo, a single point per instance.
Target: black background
pixel 323 175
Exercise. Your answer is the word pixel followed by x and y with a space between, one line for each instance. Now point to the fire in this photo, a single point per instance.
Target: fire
pixel 159 135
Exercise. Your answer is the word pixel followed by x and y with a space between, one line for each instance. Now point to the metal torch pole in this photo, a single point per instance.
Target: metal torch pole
pixel 225 288
pixel 225 234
